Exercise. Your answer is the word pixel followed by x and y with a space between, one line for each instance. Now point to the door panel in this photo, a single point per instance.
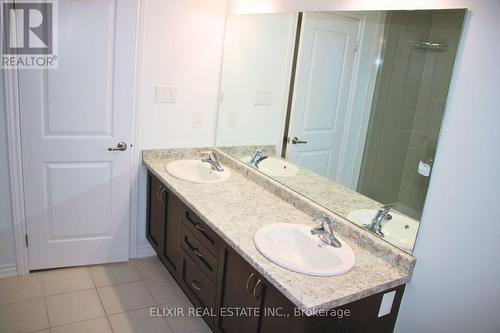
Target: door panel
pixel 72 213
pixel 325 70
pixel 76 191
pixel 237 276
pixel 91 72
pixel 172 247
pixel 157 197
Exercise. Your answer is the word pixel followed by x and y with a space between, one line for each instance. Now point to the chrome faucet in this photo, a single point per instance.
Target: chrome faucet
pixel 382 215
pixel 213 160
pixel 325 232
pixel 257 157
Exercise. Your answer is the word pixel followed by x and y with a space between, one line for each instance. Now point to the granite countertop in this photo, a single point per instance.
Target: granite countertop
pixel 238 207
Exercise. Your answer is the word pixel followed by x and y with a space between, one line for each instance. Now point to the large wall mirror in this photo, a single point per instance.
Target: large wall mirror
pixel 342 107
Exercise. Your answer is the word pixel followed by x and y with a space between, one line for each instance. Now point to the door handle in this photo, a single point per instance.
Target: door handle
pixel 121 146
pixel 296 141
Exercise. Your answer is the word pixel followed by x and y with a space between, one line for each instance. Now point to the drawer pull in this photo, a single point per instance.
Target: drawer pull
pixel 197 252
pixel 255 290
pixel 199 227
pixel 162 192
pixel 248 282
pixel 195 285
pixel 158 190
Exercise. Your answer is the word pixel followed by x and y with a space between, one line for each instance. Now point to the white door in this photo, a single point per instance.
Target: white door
pixel 76 191
pixel 323 86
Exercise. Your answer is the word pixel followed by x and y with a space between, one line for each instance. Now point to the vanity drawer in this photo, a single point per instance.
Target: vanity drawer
pixel 202 231
pixel 205 260
pixel 197 283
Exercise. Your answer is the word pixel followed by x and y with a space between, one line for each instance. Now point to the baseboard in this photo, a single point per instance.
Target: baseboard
pixel 144 250
pixel 7 271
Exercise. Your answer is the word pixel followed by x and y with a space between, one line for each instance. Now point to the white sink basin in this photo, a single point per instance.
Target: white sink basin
pixel 292 246
pixel 400 231
pixel 196 171
pixel 275 167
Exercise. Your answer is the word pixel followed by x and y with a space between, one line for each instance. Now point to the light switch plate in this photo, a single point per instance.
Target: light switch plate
pixel 263 98
pixel 165 94
pixel 386 304
pixel 198 119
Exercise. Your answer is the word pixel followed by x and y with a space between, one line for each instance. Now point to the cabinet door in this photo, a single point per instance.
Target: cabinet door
pixel 237 285
pixel 155 227
pixel 171 254
pixel 278 314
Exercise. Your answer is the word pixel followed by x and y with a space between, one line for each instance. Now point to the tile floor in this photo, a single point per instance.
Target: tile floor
pixel 103 298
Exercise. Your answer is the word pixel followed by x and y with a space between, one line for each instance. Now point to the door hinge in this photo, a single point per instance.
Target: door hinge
pixel 356 46
pixel 26 239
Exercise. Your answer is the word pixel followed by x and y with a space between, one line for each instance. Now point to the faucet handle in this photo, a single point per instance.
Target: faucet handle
pixel 325 231
pixel 386 208
pixel 210 154
pixel 322 220
pixel 319 230
pixel 324 223
pixel 255 155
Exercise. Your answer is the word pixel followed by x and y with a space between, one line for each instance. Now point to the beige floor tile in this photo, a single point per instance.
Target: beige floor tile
pixel 60 281
pixel 185 323
pixel 20 288
pixel 149 267
pixel 98 325
pixel 125 297
pixel 106 275
pixel 73 307
pixel 138 321
pixel 27 316
pixel 164 289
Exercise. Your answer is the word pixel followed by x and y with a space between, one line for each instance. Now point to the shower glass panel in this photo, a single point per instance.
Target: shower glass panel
pixel 408 107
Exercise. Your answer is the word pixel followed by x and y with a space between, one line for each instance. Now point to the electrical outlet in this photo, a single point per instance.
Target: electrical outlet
pixel 386 304
pixel 165 94
pixel 198 119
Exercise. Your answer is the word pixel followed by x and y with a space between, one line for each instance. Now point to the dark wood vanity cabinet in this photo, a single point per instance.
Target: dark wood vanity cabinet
pixel 233 296
pixel 262 307
pixel 163 228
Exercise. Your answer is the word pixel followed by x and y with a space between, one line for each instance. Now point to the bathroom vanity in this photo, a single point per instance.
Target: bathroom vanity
pixel 203 234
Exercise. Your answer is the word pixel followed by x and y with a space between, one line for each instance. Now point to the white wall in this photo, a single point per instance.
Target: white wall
pixel 182 43
pixel 456 284
pixel 7 250
pixel 258 52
